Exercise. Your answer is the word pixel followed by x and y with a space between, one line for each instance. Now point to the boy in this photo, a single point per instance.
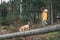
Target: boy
pixel 44 17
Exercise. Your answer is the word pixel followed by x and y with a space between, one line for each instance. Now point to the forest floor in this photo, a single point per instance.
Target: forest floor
pixel 12 29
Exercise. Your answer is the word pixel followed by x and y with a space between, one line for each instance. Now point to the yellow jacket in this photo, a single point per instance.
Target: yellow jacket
pixel 44 16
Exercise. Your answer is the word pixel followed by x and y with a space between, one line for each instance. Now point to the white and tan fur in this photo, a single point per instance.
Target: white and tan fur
pixel 25 28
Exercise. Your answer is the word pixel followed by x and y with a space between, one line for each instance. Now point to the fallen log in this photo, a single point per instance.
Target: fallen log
pixel 38 31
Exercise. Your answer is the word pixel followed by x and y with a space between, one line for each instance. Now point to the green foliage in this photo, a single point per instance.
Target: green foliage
pixel 33 5
pixel 55 36
pixel 28 7
pixel 56 4
pixel 3 11
pixel 40 2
